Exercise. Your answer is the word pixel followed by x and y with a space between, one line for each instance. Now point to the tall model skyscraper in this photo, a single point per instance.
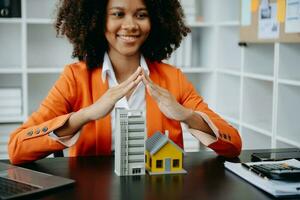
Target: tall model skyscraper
pixel 130 142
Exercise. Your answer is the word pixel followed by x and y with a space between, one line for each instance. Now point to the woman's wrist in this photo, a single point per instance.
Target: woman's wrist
pixel 196 121
pixel 73 124
pixel 187 113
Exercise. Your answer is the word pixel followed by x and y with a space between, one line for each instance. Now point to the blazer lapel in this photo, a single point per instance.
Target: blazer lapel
pixel 103 126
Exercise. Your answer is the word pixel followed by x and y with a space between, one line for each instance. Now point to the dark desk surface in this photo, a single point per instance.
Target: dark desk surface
pixel 95 179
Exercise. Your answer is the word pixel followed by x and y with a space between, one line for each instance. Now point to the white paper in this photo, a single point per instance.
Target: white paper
pixel 246 13
pixel 268 27
pixel 292 18
pixel 10 92
pixel 264 4
pixel 274 187
pixel 7 102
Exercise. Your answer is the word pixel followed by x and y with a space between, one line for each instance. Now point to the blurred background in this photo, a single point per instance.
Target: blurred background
pixel 254 86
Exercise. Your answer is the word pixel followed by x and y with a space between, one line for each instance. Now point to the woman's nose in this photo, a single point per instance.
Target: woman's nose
pixel 129 23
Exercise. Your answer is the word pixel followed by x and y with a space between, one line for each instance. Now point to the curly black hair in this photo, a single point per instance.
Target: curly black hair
pixel 83 23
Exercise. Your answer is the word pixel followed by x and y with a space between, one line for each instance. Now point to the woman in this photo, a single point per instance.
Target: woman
pixel 120 45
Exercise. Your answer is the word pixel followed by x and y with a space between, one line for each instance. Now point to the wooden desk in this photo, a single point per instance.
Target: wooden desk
pixel 95 179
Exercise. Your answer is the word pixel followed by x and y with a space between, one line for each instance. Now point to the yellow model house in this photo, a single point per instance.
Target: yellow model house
pixel 163 156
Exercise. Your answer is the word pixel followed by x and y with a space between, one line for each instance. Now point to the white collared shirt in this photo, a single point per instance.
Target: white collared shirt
pixel 135 102
pixel 137 99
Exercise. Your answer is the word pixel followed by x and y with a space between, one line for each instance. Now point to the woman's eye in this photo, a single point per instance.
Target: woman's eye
pixel 118 14
pixel 142 15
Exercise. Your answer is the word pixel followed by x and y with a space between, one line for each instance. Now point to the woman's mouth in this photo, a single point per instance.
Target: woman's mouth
pixel 128 38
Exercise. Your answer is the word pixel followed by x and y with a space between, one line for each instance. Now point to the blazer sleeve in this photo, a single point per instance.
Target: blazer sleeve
pixel 31 141
pixel 228 142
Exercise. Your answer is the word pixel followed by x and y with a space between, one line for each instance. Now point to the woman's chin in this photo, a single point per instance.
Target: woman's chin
pixel 129 53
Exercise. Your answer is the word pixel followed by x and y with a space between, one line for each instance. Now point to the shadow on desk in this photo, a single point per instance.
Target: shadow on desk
pixel 196 183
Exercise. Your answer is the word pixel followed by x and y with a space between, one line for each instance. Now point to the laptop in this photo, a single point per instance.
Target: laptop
pixel 18 182
pixel 275 155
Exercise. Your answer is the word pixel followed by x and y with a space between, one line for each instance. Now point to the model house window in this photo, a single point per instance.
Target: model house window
pixel 176 163
pixel 150 162
pixel 146 158
pixel 159 164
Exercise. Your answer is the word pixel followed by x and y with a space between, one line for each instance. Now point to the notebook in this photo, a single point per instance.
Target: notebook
pixel 18 182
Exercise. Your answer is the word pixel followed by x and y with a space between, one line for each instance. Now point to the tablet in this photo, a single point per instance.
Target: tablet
pixel 273 156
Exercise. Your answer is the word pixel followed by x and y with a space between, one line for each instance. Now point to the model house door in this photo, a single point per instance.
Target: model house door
pixel 168 164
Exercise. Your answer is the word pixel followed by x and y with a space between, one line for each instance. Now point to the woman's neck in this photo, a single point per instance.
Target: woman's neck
pixel 124 66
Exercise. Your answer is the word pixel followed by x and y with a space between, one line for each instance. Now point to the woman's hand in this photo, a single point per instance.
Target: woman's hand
pixel 166 101
pixel 106 103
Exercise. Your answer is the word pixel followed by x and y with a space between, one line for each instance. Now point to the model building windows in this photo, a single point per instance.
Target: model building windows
pixel 176 163
pixel 136 170
pixel 159 164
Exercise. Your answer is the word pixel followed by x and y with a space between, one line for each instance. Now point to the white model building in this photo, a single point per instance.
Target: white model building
pixel 130 142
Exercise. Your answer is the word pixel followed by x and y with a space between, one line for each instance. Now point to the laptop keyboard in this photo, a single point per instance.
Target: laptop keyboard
pixel 9 188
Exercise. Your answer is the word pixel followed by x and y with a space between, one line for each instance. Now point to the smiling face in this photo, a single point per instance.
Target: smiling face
pixel 127 26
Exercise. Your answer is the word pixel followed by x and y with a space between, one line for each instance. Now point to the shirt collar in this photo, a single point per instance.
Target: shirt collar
pixel 107 69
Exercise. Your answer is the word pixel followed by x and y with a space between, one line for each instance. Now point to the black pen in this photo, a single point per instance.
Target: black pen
pixel 254 171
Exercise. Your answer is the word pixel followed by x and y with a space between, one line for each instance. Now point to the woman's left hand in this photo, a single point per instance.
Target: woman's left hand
pixel 166 101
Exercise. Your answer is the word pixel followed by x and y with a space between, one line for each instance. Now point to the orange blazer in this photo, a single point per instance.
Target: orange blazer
pixel 79 87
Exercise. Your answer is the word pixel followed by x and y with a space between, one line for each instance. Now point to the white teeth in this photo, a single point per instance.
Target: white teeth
pixel 128 38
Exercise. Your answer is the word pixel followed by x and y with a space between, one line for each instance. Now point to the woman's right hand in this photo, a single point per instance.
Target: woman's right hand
pixel 104 105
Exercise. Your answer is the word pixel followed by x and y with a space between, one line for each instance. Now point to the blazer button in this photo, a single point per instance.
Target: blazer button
pixel 37 131
pixel 229 137
pixel 225 136
pixel 30 133
pixel 45 129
